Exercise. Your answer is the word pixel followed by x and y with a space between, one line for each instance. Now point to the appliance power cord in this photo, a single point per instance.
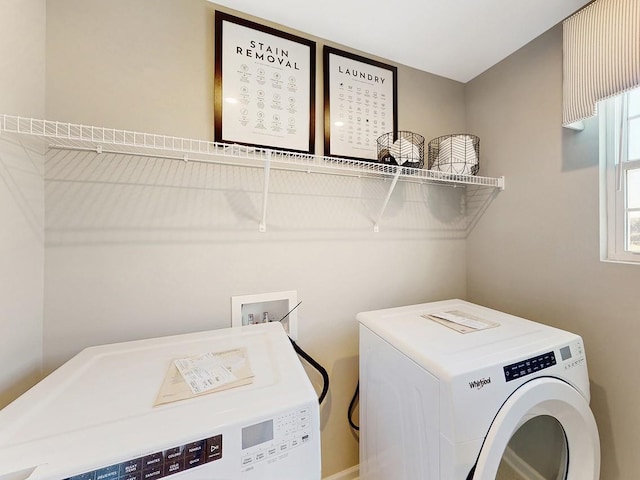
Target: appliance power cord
pixel 352 407
pixel 317 366
pixel 311 361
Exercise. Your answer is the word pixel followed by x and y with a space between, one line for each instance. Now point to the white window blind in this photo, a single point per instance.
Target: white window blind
pixel 601 55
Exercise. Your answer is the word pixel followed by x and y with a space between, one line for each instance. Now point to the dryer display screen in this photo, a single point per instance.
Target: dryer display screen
pixel 529 366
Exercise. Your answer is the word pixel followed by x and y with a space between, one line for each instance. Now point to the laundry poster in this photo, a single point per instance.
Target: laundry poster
pixel 360 104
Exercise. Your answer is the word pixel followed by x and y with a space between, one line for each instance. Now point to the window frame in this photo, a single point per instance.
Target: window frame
pixel 613 182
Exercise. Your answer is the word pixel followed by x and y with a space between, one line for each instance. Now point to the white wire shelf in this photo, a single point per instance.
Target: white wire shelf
pixel 70 136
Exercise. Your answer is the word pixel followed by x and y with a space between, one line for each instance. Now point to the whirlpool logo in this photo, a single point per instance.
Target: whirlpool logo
pixel 478 384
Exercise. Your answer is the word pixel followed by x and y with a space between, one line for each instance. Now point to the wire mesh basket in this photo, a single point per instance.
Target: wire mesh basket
pixel 402 148
pixel 459 153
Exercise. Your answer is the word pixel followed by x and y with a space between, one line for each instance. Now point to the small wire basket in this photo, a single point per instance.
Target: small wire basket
pixel 459 154
pixel 404 148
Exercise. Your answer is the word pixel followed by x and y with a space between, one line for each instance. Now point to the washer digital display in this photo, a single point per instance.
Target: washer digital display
pixel 257 434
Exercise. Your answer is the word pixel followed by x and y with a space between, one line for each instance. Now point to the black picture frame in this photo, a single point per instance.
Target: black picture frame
pixel 360 104
pixel 271 78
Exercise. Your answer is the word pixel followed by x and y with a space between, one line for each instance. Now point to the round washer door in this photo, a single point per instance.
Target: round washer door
pixel 529 408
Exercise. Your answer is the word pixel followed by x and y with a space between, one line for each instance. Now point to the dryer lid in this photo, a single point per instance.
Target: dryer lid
pixel 444 351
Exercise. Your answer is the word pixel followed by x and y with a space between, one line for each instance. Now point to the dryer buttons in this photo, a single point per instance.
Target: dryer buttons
pixel 529 366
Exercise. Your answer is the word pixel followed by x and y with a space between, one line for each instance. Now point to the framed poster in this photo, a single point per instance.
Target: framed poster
pixel 360 104
pixel 264 86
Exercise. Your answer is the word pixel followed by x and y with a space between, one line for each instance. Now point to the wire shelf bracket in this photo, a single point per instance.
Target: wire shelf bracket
pixel 376 226
pixel 265 193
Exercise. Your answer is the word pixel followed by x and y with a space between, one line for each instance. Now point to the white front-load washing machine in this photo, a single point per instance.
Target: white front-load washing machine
pixel 455 391
pixel 125 412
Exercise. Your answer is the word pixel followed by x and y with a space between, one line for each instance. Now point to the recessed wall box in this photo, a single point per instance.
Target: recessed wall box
pixel 251 309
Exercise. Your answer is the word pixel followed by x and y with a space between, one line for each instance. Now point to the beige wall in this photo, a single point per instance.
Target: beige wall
pixel 22 63
pixel 535 252
pixel 138 247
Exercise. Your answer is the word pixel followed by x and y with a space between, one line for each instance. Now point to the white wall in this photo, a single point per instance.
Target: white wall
pixel 22 63
pixel 137 247
pixel 535 252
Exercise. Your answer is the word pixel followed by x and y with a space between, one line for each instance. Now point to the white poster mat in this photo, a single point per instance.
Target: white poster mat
pixel 361 106
pixel 265 89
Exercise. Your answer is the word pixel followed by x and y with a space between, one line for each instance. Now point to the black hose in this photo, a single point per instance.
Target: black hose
pixel 352 406
pixel 317 366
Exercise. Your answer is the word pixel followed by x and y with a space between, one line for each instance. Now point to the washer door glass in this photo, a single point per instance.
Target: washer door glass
pixel 536 451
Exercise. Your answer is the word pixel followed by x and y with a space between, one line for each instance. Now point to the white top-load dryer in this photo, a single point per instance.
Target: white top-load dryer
pixel 94 418
pixel 455 391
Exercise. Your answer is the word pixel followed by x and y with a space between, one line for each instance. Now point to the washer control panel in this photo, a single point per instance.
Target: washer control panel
pixel 530 365
pixel 160 464
pixel 272 439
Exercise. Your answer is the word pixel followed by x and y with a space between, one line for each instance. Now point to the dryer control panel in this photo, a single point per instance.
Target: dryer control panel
pixel 529 366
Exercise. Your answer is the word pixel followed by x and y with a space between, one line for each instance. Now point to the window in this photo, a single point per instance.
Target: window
pixel 620 177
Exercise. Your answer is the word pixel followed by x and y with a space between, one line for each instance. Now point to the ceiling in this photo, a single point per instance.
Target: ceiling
pixel 457 39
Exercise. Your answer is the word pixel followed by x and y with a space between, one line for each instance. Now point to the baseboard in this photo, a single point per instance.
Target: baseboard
pixel 520 466
pixel 348 474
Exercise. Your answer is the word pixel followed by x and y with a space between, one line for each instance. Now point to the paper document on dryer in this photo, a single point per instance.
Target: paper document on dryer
pixel 206 373
pixel 460 321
